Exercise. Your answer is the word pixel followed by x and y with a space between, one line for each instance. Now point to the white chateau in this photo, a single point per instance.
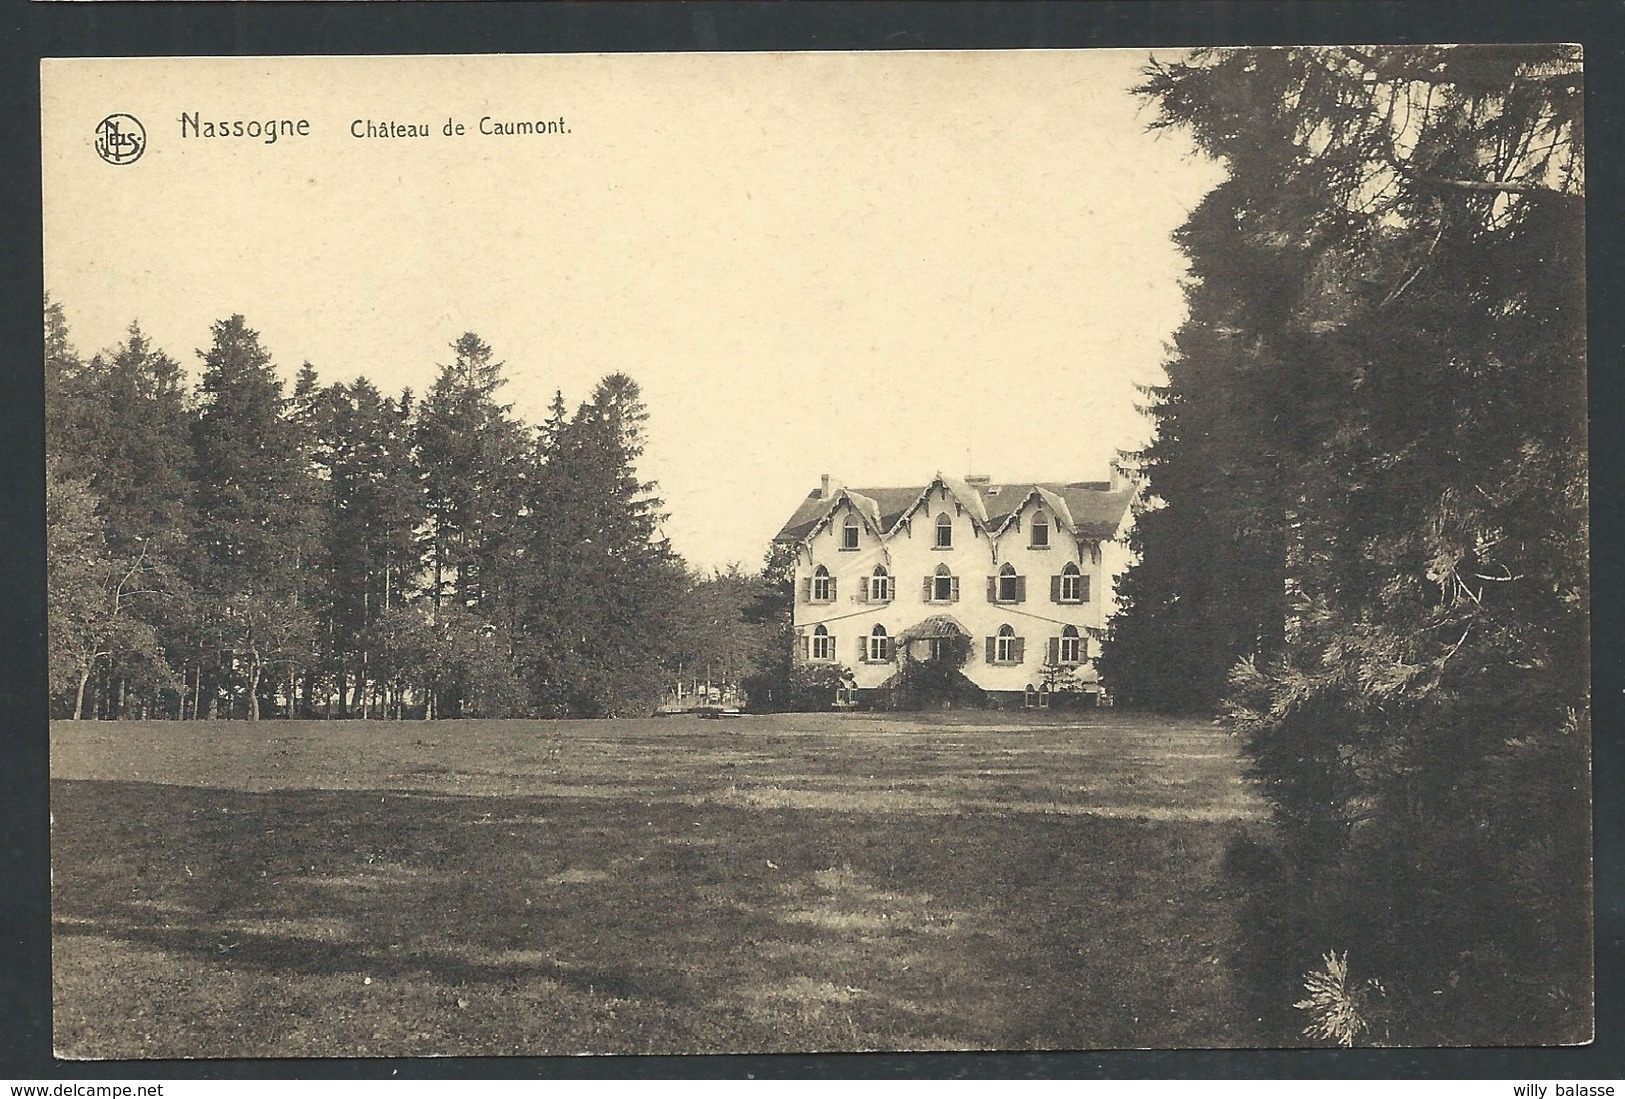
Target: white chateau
pixel 1025 571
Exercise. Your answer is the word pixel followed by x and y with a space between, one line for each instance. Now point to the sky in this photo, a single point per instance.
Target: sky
pixel 872 265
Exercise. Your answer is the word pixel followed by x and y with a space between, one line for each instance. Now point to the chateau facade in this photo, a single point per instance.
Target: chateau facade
pixel 1024 571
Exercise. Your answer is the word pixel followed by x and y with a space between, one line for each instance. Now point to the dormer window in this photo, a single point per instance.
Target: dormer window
pixel 1040 537
pixel 849 533
pixel 819 587
pixel 945 532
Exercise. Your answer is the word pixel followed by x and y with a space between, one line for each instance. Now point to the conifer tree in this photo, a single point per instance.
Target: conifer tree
pixel 371 511
pixel 471 460
pixel 1396 363
pixel 247 536
pixel 602 585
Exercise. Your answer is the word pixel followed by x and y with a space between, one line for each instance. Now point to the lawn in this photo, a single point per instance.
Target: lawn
pixel 768 884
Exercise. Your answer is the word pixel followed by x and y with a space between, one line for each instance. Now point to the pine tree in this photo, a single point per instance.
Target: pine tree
pixel 1405 371
pixel 472 458
pixel 602 587
pixel 370 514
pixel 63 414
pixel 116 435
pixel 248 539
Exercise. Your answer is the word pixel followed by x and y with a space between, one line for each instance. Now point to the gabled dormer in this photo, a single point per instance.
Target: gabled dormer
pixel 852 517
pixel 939 509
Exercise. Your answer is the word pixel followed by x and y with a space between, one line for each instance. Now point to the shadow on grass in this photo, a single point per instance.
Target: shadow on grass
pixel 730 928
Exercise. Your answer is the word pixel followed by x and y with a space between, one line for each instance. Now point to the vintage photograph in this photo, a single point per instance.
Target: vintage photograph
pixel 797 552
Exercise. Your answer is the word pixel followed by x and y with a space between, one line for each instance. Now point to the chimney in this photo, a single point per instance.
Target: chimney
pixel 978 478
pixel 823 488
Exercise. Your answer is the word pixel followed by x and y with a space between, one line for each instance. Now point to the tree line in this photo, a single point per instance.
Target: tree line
pixel 1365 546
pixel 231 549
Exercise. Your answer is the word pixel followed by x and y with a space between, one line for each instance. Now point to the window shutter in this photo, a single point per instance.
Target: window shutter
pixel 863 648
pixel 863 589
pixel 885 648
pixel 1021 589
pixel 832 589
pixel 1020 647
pixel 1054 651
pixel 992 589
pixel 1083 588
pixel 806 648
pixel 954 596
pixel 928 589
pixel 806 589
pixel 1055 589
pixel 991 650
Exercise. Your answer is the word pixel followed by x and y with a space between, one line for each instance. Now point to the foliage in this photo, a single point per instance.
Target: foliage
pixel 1338 1013
pixel 1065 682
pixel 341 551
pixel 93 596
pixel 780 682
pixel 936 679
pixel 715 641
pixel 472 462
pixel 117 444
pixel 1372 539
pixel 602 588
pixel 802 688
pixel 370 508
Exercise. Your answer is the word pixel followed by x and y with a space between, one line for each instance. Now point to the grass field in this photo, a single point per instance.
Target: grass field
pixel 789 883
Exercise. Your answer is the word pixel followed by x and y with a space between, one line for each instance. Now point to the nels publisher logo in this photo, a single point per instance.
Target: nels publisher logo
pixel 120 139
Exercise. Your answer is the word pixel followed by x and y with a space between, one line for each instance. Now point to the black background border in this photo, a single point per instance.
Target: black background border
pixel 32 30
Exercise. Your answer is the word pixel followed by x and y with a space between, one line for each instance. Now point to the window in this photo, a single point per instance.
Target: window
pixel 877 587
pixel 1006 647
pixel 1040 539
pixel 1069 587
pixel 1043 696
pixel 1029 698
pixel 942 587
pixel 877 646
pixel 820 586
pixel 849 533
pixel 1071 647
pixel 945 532
pixel 1007 587
pixel 823 645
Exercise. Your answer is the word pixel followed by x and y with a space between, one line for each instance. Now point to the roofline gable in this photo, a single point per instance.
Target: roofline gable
pixel 857 501
pixel 1056 505
pixel 955 488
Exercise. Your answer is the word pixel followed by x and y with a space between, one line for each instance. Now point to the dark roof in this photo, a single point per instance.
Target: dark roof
pixel 1096 510
pixel 938 625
